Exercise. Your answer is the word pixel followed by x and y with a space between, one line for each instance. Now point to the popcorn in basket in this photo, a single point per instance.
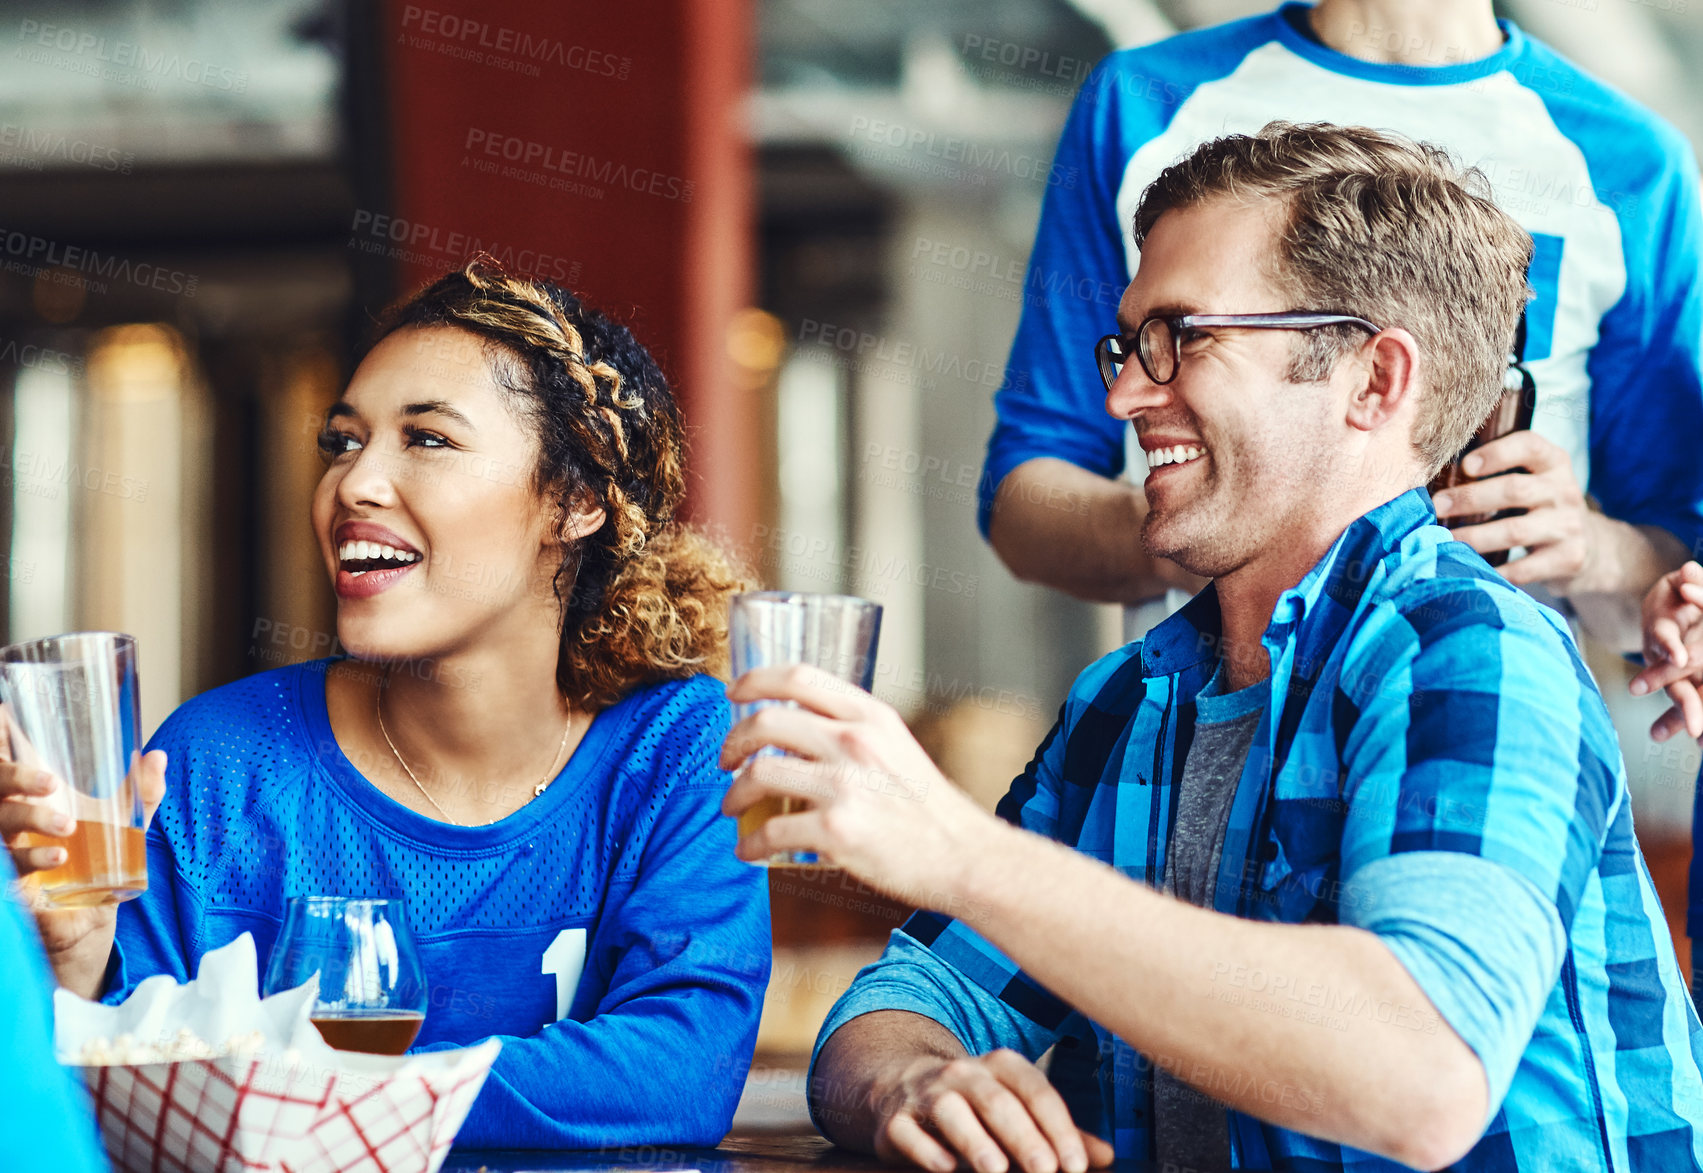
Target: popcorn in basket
pixel 208 1077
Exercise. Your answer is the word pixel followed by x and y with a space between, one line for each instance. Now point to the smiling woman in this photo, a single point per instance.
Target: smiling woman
pixel 521 740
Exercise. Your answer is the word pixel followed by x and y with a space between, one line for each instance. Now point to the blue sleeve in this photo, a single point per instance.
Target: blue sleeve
pixel 1487 976
pixel 1469 724
pixel 1646 368
pixel 42 1108
pixel 1647 374
pixel 149 938
pixel 664 1057
pixel 1481 771
pixel 1051 402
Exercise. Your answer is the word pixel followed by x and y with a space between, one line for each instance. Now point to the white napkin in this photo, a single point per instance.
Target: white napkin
pixel 221 1008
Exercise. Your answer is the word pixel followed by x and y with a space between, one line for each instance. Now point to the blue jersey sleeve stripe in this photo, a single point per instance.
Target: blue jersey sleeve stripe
pixel 1544 277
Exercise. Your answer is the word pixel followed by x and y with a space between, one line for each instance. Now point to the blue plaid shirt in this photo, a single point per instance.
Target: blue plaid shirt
pixel 1433 732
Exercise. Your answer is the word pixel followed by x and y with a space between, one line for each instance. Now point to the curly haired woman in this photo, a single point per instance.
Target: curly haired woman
pixel 521 739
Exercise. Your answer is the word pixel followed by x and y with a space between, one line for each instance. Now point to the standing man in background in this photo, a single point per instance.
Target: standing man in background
pixel 1608 191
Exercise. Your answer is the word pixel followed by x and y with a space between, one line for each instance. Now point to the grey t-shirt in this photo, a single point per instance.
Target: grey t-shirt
pixel 1191 1129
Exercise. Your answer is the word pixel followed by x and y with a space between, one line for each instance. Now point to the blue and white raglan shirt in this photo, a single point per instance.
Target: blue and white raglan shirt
pixel 605 932
pixel 1608 191
pixel 1434 748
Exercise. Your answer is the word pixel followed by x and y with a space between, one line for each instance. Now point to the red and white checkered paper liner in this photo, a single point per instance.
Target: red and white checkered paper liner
pixel 256 1114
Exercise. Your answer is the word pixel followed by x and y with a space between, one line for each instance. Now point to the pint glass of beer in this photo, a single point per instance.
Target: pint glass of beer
pixel 836 633
pixel 71 710
pixel 372 991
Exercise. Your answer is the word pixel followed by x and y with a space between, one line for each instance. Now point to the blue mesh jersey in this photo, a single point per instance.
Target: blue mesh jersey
pixel 605 931
pixel 1608 191
pixel 45 1122
pixel 1427 718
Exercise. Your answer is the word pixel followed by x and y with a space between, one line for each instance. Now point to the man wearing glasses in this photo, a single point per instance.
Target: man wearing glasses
pixel 1336 868
pixel 1608 492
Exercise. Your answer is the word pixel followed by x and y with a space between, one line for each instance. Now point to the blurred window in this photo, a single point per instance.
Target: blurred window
pixel 114 86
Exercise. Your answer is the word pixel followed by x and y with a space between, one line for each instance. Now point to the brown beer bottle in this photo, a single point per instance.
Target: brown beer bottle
pixel 1512 413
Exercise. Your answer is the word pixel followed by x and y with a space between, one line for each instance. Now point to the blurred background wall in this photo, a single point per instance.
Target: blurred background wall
pixel 816 212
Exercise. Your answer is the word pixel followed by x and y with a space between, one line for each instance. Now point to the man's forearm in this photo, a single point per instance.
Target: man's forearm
pixel 862 1062
pixel 1163 975
pixel 1625 562
pixel 1625 559
pixel 1078 532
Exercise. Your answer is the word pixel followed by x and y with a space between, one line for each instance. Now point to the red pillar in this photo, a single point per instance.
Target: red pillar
pixel 601 146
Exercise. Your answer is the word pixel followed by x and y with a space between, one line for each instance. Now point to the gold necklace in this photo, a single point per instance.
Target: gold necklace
pixel 543 785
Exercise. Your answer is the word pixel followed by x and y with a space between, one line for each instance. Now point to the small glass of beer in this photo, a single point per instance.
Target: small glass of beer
pixel 71 710
pixel 372 991
pixel 837 633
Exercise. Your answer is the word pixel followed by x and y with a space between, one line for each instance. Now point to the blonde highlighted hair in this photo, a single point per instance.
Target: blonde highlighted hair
pixel 645 597
pixel 1386 229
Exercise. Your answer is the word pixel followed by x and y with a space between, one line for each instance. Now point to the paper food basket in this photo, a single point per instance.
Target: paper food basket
pixel 279 1100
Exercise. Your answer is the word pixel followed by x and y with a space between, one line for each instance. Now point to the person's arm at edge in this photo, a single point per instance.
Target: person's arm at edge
pixel 1672 625
pixel 1626 561
pixel 46 1109
pixel 1062 526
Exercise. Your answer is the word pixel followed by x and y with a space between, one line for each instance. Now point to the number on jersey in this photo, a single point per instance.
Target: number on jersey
pixel 565 958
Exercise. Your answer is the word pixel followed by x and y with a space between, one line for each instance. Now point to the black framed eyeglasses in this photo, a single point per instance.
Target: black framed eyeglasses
pixel 1159 340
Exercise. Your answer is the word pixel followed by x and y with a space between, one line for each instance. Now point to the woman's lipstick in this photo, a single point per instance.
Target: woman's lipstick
pixel 365 585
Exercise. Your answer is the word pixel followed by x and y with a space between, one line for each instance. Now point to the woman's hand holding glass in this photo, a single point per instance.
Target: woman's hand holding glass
pixel 77 940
